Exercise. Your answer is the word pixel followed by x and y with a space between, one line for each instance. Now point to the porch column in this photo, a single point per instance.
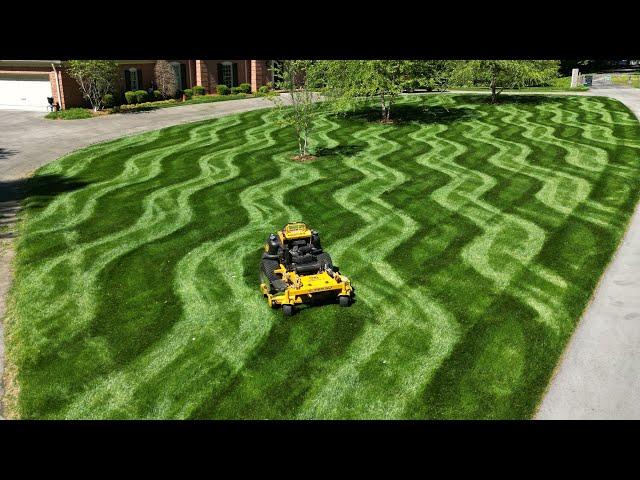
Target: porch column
pixel 202 75
pixel 258 74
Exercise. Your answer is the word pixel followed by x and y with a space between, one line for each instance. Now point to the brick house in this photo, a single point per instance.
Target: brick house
pixel 26 84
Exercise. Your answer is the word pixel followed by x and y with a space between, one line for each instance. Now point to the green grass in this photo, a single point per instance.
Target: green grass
pixel 632 80
pixel 560 84
pixel 474 235
pixel 70 114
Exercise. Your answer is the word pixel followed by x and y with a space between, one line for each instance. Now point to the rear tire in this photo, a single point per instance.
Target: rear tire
pixel 287 310
pixel 344 300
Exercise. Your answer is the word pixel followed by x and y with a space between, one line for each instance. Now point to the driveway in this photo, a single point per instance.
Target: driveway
pixel 28 141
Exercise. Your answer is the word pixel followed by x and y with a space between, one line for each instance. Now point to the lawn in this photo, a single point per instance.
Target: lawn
pixel 474 234
pixel 560 84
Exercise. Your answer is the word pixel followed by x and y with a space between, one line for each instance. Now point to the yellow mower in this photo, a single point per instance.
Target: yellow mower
pixel 294 269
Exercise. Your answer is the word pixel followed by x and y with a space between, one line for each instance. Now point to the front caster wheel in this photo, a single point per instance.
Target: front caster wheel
pixel 344 300
pixel 287 310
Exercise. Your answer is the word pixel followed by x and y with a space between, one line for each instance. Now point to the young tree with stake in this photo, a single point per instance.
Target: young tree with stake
pixel 302 108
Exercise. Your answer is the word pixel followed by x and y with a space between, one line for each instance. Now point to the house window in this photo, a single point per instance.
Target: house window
pixel 178 73
pixel 227 74
pixel 133 78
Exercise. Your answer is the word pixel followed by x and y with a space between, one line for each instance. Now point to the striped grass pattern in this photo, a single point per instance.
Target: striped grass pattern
pixel 474 234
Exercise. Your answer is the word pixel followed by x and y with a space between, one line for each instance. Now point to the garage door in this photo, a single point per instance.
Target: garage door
pixel 24 92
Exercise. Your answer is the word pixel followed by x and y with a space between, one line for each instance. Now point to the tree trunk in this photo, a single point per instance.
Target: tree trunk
pixel 494 96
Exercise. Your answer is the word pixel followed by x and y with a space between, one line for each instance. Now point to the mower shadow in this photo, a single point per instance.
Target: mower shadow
pixel 322 302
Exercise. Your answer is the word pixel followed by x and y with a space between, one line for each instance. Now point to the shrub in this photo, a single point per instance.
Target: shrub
pixel 157 95
pixel 108 100
pixel 130 97
pixel 244 88
pixel 141 96
pixel 263 89
pixel 188 93
pixel 198 90
pixel 222 89
pixel 235 90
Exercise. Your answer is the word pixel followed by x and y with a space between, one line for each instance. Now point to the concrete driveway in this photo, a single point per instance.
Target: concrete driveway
pixel 28 141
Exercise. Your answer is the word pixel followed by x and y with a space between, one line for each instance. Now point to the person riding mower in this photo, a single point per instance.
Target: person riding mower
pixel 294 269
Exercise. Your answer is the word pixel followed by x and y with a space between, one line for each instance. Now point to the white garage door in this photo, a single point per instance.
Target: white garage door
pixel 24 92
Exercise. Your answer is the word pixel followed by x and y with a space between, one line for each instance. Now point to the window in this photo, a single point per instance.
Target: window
pixel 133 78
pixel 227 74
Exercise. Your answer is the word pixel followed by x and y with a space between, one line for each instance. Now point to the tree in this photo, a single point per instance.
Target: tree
pixel 302 106
pixel 348 82
pixel 96 78
pixel 166 78
pixel 430 74
pixel 501 74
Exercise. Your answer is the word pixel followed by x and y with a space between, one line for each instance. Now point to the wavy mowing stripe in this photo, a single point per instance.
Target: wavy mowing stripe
pixel 593 211
pixel 343 384
pixel 74 253
pixel 599 134
pixel 570 190
pixel 64 202
pixel 232 347
pixel 583 156
pixel 77 305
pixel 544 299
pixel 561 191
pixel 126 382
pixel 149 160
pixel 235 346
pixel 604 132
pixel 132 174
pixel 92 153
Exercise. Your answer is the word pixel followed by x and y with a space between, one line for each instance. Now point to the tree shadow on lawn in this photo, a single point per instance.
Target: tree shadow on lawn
pixel 420 113
pixel 341 150
pixel 33 193
pixel 502 99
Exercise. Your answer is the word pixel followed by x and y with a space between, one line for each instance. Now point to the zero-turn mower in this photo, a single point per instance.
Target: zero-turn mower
pixel 294 270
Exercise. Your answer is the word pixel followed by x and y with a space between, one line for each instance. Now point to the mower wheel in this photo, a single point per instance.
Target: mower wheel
pixel 287 310
pixel 345 300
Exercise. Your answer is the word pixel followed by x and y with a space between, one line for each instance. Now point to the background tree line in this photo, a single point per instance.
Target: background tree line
pixel 345 85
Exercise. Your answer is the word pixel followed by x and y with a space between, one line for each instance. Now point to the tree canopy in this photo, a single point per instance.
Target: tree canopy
pixel 96 78
pixel 501 74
